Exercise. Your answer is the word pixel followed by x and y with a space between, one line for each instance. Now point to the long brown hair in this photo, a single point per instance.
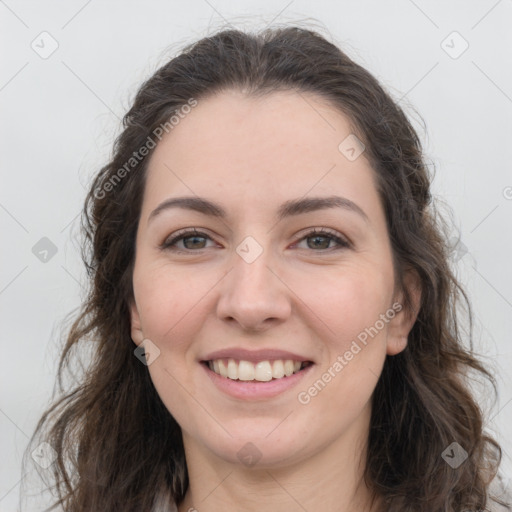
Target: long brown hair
pixel 117 445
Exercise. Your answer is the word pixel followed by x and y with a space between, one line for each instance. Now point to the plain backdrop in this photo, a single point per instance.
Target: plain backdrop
pixel 70 71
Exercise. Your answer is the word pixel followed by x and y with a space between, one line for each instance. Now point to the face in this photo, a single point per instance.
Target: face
pixel 262 283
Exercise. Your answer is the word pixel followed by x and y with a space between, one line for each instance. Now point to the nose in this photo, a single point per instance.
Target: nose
pixel 253 296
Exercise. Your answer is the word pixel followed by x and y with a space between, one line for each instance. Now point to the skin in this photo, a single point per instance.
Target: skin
pixel 250 155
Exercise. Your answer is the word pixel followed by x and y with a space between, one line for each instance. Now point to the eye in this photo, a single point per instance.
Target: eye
pixel 322 238
pixel 193 239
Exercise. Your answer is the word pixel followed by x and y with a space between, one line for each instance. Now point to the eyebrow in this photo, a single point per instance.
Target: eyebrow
pixel 287 209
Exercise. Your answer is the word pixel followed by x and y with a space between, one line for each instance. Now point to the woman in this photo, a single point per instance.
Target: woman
pixel 272 311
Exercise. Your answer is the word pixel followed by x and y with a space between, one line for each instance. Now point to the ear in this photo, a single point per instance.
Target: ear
pixel 401 324
pixel 136 327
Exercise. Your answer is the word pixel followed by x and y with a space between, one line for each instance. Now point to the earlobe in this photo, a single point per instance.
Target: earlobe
pixel 395 345
pixel 136 327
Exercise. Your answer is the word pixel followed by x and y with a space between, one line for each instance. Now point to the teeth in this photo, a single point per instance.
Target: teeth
pixel 246 370
pixel 262 371
pixel 232 369
pixel 288 367
pixel 223 370
pixel 278 369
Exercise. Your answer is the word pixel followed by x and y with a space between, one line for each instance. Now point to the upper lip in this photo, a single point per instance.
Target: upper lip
pixel 242 354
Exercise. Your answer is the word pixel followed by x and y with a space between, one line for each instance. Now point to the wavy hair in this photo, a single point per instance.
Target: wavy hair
pixel 109 457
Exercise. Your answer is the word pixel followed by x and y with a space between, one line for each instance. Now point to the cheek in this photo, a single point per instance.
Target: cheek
pixel 168 300
pixel 347 317
pixel 347 301
pixel 355 343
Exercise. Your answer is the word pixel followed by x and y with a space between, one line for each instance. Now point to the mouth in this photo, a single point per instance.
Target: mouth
pixel 261 371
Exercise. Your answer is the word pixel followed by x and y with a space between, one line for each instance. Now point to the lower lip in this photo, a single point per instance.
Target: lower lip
pixel 254 390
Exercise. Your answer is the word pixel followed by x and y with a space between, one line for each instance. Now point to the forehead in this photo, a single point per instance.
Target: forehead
pixel 282 144
pixel 266 125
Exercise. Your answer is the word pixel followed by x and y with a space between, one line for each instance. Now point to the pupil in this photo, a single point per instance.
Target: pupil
pixel 316 238
pixel 195 238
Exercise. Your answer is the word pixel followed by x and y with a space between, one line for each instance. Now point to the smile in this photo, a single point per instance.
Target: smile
pixel 262 371
pixel 251 388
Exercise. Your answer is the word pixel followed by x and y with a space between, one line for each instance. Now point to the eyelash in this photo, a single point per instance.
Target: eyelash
pixel 324 232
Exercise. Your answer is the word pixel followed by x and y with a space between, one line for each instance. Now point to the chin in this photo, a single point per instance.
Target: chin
pixel 258 451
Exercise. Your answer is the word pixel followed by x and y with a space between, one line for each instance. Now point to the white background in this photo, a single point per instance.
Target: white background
pixel 59 117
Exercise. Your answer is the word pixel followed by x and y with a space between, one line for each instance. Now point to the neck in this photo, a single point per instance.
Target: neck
pixel 330 480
